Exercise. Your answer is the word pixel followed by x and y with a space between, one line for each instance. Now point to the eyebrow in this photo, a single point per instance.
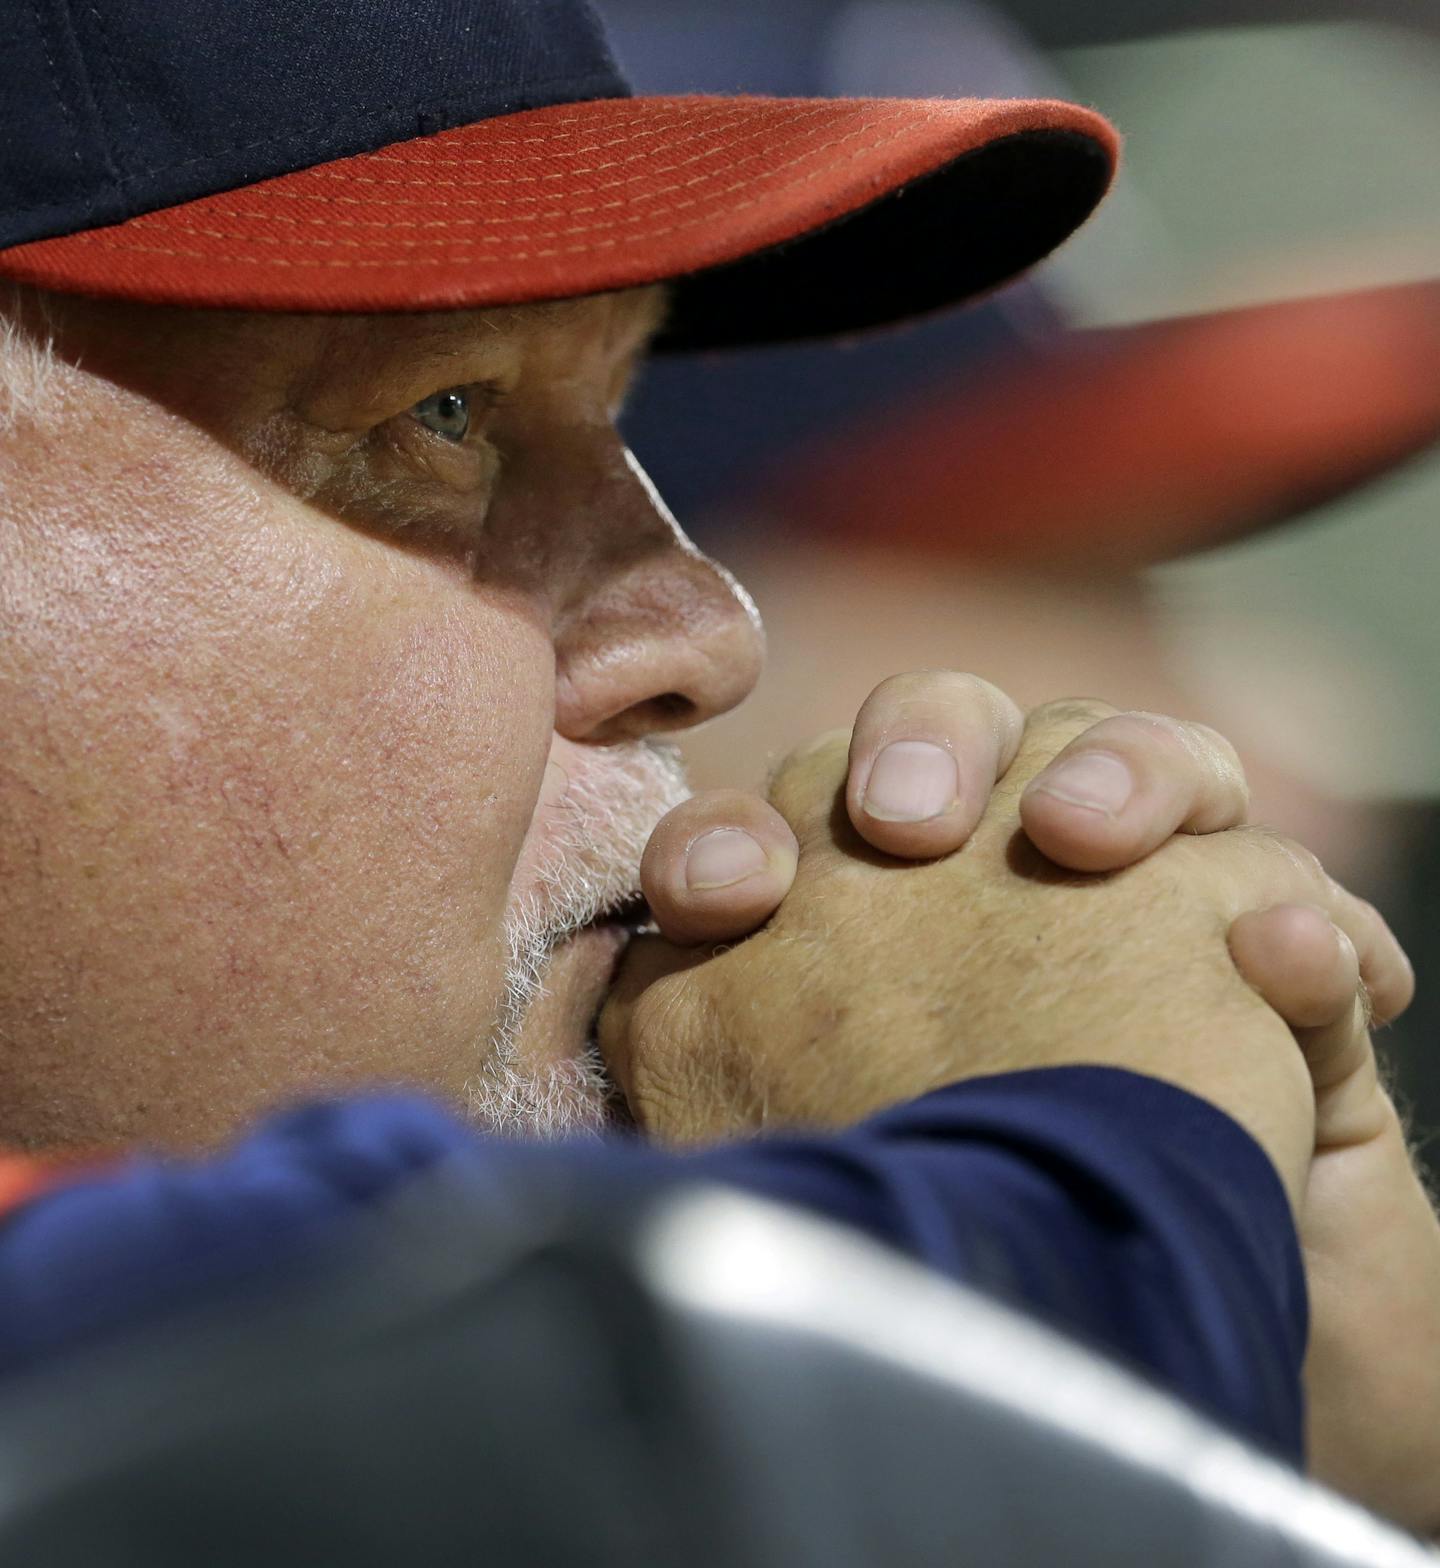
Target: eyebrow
pixel 436 340
pixel 435 351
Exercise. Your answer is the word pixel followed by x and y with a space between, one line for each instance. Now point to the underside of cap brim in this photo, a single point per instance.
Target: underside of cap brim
pixel 785 218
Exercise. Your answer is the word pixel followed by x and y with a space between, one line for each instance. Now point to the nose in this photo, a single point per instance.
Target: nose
pixel 659 637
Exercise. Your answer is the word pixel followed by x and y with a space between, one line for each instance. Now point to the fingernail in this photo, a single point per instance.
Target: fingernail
pixel 911 781
pixel 721 858
pixel 1097 781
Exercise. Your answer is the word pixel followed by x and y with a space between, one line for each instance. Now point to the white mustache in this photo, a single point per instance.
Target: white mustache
pixel 598 832
pixel 595 836
pixel 591 862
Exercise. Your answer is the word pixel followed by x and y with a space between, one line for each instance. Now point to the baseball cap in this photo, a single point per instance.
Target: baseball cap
pixel 387 155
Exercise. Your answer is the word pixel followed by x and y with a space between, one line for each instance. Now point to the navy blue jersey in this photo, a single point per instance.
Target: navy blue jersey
pixel 1124 1211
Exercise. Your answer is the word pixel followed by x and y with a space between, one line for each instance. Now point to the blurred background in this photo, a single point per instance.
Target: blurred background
pixel 1191 465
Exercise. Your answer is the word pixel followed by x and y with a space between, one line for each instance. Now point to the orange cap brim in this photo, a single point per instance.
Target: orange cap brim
pixel 786 206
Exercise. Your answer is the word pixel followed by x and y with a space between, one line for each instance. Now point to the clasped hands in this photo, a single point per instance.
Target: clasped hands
pixel 953 889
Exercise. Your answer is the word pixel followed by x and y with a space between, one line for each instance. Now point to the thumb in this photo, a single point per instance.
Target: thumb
pixel 717 866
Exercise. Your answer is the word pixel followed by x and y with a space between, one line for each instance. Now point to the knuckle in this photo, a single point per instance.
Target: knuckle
pixel 821 746
pixel 1068 713
pixel 1306 865
pixel 693 1076
pixel 1206 748
pixel 814 765
pixel 658 1025
pixel 1259 834
pixel 1246 867
pixel 1048 730
pixel 1258 839
pixel 659 1013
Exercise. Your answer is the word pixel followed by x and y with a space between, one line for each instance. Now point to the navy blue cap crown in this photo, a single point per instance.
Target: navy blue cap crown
pixel 110 108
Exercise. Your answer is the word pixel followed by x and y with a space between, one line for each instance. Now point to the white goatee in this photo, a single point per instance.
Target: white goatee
pixel 590 869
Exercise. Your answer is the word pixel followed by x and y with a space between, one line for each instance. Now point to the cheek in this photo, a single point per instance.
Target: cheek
pixel 267 779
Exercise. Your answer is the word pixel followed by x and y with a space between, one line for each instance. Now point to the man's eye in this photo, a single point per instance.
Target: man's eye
pixel 446 413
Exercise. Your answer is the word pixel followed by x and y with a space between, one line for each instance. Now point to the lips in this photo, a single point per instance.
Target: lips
pixel 630 917
pixel 633 916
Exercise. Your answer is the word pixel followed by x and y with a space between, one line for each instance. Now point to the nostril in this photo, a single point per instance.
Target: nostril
pixel 669 710
pixel 673 710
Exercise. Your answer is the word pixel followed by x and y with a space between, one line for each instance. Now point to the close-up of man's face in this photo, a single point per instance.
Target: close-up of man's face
pixel 335 647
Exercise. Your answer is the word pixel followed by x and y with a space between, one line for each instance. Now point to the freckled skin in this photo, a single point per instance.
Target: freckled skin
pixel 280 675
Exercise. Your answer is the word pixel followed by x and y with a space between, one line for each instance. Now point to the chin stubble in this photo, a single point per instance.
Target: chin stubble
pixel 591 868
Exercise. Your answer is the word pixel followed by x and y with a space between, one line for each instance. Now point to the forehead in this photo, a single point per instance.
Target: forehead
pixel 620 319
pixel 614 324
pixel 167 346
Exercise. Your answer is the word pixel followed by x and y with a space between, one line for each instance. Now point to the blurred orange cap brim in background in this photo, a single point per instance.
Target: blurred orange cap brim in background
pixel 1131 446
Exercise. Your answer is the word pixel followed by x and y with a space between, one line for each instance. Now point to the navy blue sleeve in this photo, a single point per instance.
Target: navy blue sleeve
pixel 1119 1209
pixel 1124 1211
